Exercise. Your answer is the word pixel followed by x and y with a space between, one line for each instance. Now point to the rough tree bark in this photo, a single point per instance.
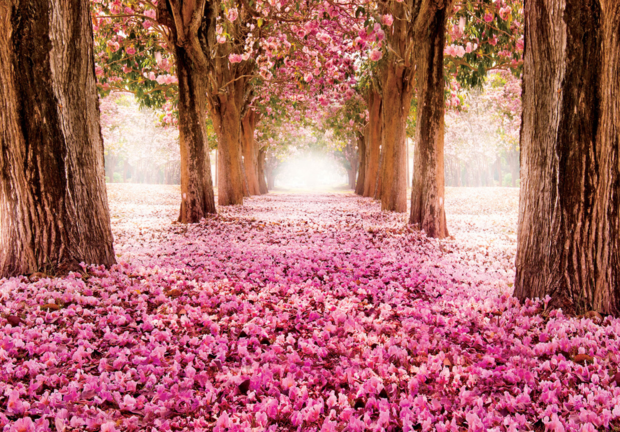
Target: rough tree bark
pixel 197 197
pixel 53 202
pixel 569 212
pixel 412 39
pixel 427 194
pixel 361 148
pixel 250 155
pixel 374 143
pixel 190 23
pixel 227 121
pixel 397 89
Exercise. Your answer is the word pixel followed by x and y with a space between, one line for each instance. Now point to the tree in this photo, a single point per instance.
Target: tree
pixel 569 212
pixel 53 203
pixel 427 194
pixel 192 30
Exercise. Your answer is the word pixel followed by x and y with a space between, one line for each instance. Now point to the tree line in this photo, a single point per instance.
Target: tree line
pixel 53 204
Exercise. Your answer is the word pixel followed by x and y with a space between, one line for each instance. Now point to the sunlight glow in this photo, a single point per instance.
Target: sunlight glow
pixel 311 171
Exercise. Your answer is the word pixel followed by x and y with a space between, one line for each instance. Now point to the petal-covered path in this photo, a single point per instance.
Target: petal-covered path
pixel 301 312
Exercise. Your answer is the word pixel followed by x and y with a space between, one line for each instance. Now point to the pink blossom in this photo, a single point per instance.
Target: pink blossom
pixel 24 424
pixel 151 13
pixel 130 50
pixel 488 17
pixel 232 14
pixel 235 58
pixel 109 427
pixel 520 44
pixel 387 19
pixel 554 425
pixel 375 55
pixel 504 12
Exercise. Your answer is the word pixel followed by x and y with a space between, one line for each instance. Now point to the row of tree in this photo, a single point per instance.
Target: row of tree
pixel 53 205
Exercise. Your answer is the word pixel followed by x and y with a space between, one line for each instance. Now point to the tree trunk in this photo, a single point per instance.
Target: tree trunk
pixel 379 176
pixel 361 147
pixel 227 121
pixel 351 172
pixel 396 90
pixel 427 194
pixel 569 212
pixel 215 168
pixel 262 183
pixel 374 143
pixel 196 186
pixel 249 153
pixel 53 201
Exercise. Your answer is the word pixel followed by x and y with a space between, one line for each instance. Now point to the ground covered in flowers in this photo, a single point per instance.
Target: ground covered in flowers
pixel 301 312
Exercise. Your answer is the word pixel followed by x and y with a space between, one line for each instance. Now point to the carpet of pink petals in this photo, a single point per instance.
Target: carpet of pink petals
pixel 301 312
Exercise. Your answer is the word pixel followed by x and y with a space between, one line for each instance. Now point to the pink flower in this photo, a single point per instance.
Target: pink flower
pixel 375 55
pixel 488 17
pixel 520 44
pixel 109 427
pixel 114 46
pixel 130 50
pixel 221 39
pixel 261 419
pixel 223 422
pixel 150 13
pixel 232 14
pixel 387 19
pixel 504 12
pixel 24 424
pixel 554 424
pixel 235 58
pixel 308 77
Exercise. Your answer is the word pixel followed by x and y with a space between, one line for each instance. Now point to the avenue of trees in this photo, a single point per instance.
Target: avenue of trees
pixel 241 76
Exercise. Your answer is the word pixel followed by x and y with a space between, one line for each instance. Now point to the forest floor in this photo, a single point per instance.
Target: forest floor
pixel 301 312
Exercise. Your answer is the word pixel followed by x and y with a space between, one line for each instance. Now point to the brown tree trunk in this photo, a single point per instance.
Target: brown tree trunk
pixel 262 183
pixel 361 148
pixel 227 121
pixel 427 194
pixel 374 143
pixel 569 212
pixel 379 176
pixel 249 153
pixel 196 185
pixel 397 100
pixel 53 202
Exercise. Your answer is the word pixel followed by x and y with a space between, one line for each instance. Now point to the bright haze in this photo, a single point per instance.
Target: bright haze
pixel 311 171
